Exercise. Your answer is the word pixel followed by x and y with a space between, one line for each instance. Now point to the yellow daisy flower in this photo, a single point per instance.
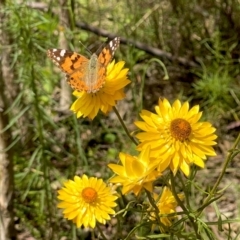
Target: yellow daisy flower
pixel 86 200
pixel 89 104
pixel 176 136
pixel 135 173
pixel 167 204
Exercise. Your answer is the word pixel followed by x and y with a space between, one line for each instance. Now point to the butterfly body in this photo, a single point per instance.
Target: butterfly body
pixel 85 74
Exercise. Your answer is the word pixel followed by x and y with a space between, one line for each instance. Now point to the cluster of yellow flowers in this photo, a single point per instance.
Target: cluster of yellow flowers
pixel 172 138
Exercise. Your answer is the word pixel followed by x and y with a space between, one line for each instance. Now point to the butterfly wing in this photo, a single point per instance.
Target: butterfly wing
pixel 67 61
pixel 73 64
pixel 106 56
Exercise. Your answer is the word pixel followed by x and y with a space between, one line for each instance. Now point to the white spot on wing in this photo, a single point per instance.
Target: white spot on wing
pixel 62 53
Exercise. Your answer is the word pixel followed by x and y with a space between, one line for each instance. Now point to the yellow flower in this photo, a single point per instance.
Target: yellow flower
pixel 89 104
pixel 86 200
pixel 135 173
pixel 176 136
pixel 167 204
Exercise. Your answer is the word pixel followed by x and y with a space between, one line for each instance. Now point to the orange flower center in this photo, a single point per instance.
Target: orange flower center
pixel 89 194
pixel 180 129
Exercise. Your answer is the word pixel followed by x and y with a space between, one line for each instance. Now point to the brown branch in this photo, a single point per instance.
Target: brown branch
pixel 37 5
pixel 7 230
pixel 148 49
pixel 64 20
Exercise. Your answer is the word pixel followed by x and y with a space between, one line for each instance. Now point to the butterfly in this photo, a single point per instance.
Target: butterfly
pixel 84 74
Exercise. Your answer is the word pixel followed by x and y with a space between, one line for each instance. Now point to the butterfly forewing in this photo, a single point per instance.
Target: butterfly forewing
pixel 108 52
pixel 66 60
pixel 105 58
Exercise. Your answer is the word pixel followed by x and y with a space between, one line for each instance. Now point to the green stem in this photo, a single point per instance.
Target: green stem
pixel 101 232
pixel 228 159
pixel 153 204
pixel 166 77
pixel 124 126
pixel 192 220
pixel 157 211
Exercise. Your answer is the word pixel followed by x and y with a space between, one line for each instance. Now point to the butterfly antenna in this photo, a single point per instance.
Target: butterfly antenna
pixel 86 48
pixel 102 46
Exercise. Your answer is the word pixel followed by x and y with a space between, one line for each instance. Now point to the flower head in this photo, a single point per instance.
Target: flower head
pixel 167 204
pixel 135 173
pixel 86 200
pixel 89 104
pixel 176 136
